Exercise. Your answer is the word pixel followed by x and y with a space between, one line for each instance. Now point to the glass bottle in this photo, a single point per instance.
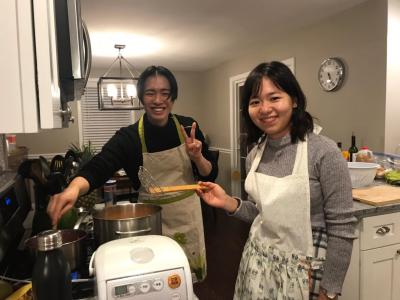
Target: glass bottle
pixel 353 148
pixel 51 272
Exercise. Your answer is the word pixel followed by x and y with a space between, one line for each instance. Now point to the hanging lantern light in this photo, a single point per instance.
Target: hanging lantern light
pixel 119 92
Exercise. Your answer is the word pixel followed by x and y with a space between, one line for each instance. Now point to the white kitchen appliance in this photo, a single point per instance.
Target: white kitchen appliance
pixel 142 267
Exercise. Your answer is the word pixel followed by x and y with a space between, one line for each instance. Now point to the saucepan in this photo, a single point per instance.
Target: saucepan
pixel 126 220
pixel 72 247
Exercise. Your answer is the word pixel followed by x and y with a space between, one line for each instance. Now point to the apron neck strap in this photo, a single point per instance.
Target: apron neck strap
pixel 141 132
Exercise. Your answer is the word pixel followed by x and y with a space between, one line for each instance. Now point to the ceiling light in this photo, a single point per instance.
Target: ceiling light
pixel 118 92
pixel 136 45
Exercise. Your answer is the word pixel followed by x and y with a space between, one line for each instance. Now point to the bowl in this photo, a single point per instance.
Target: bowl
pixel 362 173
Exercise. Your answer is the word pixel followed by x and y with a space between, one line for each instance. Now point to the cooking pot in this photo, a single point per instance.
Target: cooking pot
pixel 72 246
pixel 126 220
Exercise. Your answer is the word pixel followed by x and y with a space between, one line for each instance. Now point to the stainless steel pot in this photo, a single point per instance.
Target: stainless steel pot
pixel 72 247
pixel 121 221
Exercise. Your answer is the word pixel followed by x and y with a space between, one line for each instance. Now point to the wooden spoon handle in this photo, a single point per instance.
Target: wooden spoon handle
pixel 175 188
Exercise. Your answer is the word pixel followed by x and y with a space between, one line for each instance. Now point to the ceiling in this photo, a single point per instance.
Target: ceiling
pixel 195 35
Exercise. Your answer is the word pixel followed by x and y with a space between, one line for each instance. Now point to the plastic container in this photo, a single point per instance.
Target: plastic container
pixel 365 155
pixel 110 190
pixel 51 273
pixel 11 142
pixel 362 173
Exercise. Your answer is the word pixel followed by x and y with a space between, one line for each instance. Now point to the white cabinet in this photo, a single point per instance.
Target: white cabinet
pixel 380 273
pixel 374 271
pixel 29 67
pixel 18 104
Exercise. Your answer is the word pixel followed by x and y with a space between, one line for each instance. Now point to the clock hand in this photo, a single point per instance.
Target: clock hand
pixel 329 76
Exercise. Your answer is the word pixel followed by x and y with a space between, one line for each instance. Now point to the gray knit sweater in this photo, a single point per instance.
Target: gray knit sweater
pixel 330 193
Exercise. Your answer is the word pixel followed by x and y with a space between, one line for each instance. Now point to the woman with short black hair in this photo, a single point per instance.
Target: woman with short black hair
pixel 172 148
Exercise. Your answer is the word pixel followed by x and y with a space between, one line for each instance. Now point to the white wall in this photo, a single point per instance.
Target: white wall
pixel 358 36
pixel 392 122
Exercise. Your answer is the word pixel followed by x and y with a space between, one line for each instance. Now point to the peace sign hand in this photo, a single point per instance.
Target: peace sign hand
pixel 193 145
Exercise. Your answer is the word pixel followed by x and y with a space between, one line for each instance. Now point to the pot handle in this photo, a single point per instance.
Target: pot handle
pixel 91 268
pixel 80 219
pixel 133 232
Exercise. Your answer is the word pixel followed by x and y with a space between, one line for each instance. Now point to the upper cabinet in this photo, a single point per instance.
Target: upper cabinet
pixel 18 99
pixel 46 61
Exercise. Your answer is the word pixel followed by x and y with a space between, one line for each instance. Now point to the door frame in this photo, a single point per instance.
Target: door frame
pixel 234 109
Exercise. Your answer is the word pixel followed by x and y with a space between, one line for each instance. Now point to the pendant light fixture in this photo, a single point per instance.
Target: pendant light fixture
pixel 118 92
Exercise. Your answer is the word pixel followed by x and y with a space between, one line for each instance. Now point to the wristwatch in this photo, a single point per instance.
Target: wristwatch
pixel 329 295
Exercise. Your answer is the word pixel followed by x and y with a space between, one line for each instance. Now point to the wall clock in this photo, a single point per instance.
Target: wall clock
pixel 331 74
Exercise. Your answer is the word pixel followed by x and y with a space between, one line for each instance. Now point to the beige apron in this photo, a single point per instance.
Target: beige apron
pixel 181 212
pixel 278 254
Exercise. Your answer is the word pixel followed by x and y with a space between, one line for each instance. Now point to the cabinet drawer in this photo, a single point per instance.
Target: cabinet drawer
pixel 380 231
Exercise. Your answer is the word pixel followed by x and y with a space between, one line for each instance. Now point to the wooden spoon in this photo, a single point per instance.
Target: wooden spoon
pixel 175 188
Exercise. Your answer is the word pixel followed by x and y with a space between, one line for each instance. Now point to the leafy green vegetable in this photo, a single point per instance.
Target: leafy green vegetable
pixel 393 177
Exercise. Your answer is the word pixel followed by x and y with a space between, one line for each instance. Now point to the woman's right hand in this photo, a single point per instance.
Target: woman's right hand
pixel 214 195
pixel 60 203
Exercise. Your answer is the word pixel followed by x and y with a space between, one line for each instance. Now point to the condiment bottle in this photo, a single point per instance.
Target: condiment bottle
pixel 51 273
pixel 110 189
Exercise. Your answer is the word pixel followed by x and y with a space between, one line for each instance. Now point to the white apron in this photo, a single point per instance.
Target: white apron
pixel 278 254
pixel 181 212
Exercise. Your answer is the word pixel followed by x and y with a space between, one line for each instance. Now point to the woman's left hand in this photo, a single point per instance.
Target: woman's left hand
pixel 193 145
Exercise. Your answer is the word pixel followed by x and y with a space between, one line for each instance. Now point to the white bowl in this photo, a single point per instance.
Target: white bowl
pixel 362 173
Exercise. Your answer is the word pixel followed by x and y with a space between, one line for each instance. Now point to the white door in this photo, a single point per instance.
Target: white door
pixel 380 273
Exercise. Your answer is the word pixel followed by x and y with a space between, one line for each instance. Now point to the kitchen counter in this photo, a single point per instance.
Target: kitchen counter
pixel 362 210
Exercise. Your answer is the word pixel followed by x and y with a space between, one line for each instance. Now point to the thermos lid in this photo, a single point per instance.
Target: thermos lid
pixel 49 240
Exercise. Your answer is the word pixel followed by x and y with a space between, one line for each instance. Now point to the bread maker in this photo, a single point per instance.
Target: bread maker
pixel 141 267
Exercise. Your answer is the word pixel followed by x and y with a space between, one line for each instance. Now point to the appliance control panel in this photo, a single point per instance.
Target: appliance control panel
pixel 8 205
pixel 169 284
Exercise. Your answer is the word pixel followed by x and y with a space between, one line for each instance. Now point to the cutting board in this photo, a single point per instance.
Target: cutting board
pixel 377 195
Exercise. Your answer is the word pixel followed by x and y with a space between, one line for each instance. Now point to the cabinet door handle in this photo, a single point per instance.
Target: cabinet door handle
pixel 383 230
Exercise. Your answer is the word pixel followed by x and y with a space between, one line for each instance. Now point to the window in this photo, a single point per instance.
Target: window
pixel 98 126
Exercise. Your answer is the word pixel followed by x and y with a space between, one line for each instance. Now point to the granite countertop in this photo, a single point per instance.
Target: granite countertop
pixel 362 210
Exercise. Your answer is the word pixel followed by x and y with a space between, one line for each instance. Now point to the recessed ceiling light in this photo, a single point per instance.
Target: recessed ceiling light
pixel 136 45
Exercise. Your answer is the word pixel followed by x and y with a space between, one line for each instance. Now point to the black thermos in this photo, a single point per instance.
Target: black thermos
pixel 51 278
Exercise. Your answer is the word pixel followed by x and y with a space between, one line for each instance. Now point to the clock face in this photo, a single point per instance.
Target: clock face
pixel 331 74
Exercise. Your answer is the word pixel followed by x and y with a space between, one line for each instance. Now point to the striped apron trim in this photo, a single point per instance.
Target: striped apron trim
pixel 320 241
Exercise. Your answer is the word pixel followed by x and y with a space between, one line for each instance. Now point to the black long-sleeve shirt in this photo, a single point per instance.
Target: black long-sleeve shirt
pixel 124 150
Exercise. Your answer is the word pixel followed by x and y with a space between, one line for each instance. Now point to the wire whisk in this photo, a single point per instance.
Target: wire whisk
pixel 148 181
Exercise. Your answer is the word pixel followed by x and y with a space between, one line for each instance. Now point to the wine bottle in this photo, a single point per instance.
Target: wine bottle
pixel 353 148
